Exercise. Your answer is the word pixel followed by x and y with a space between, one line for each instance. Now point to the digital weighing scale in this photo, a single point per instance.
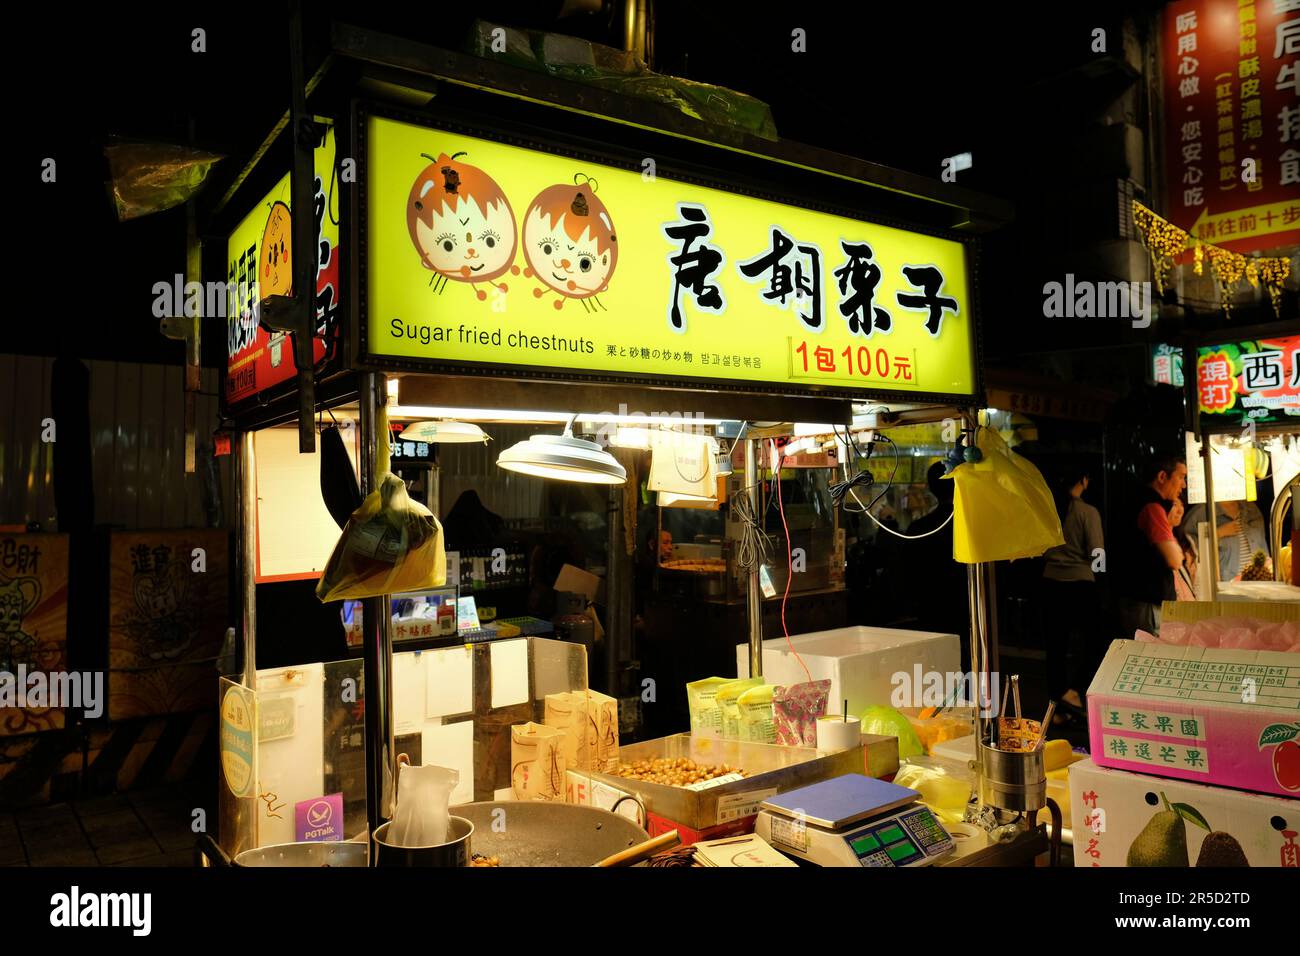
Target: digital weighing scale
pixel 853 820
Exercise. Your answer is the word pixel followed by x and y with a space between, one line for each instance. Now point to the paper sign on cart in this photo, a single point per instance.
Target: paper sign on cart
pixel 737 806
pixel 715 782
pixel 588 791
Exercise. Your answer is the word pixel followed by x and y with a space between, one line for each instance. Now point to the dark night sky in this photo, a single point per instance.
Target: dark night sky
pixel 904 85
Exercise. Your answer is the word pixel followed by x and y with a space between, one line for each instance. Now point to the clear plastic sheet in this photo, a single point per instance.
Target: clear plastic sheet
pixel 151 177
pixel 618 71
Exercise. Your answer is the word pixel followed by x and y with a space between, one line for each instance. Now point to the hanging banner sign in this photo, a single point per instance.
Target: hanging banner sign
pixel 1231 73
pixel 1257 381
pixel 480 254
pixel 259 256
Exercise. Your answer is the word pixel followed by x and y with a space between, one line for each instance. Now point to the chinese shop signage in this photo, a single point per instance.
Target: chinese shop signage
pixel 1250 381
pixel 480 253
pixel 1167 365
pixel 259 263
pixel 33 622
pixel 1232 95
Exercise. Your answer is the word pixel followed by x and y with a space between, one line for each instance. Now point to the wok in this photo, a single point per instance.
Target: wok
pixel 286 854
pixel 536 833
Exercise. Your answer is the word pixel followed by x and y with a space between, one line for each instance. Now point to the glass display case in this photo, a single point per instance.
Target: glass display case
pixel 293 750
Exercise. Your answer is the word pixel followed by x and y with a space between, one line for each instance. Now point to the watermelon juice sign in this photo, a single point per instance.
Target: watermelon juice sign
pixel 1255 381
pixel 260 257
pixel 482 253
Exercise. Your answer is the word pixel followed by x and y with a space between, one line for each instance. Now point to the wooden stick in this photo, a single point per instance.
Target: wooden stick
pixel 635 854
pixel 1047 722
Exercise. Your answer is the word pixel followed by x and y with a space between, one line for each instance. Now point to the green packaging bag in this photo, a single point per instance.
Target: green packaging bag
pixel 729 704
pixel 701 699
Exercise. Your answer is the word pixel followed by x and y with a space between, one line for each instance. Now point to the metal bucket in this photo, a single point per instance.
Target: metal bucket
pixel 455 852
pixel 1013 781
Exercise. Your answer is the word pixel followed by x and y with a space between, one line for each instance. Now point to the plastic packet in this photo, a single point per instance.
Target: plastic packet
pixel 795 710
pixel 754 708
pixel 390 545
pixel 702 700
pixel 150 177
pixel 941 727
pixel 888 722
pixel 729 707
pixel 1003 507
pixel 944 787
pixel 421 816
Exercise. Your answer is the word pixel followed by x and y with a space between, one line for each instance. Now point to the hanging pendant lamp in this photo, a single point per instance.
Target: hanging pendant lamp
pixel 444 431
pixel 564 458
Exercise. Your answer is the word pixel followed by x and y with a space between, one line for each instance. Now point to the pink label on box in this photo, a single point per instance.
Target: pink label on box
pixel 1224 749
pixel 1223 717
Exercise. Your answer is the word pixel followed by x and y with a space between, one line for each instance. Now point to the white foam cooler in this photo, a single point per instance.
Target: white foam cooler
pixel 859 661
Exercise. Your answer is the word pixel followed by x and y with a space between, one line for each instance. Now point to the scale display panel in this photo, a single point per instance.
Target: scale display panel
pixel 901 840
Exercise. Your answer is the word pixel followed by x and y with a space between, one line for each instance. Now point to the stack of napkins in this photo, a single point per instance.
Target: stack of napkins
pixel 748 850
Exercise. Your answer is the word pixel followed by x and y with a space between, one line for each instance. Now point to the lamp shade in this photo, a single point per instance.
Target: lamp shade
pixel 564 458
pixel 445 432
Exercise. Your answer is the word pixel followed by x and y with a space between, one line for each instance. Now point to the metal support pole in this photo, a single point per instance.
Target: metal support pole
pixel 754 595
pixel 246 489
pixel 1211 514
pixel 618 590
pixel 979 662
pixel 377 622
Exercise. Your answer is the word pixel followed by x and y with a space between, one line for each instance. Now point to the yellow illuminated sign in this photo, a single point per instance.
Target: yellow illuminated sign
pixel 482 252
pixel 259 257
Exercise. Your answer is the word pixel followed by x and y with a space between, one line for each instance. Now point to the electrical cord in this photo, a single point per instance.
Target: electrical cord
pixel 840 489
pixel 789 558
pixel 912 537
pixel 755 547
pixel 849 483
pixel 846 487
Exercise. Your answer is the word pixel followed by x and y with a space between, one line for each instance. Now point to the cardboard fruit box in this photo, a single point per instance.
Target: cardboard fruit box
pixel 1224 717
pixel 1132 819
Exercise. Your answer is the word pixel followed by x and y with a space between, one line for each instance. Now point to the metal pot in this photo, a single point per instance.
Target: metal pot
pixel 286 854
pixel 455 852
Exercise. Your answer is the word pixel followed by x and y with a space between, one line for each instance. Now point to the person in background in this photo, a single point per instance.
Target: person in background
pixel 1151 552
pixel 1185 573
pixel 1070 598
pixel 1241 531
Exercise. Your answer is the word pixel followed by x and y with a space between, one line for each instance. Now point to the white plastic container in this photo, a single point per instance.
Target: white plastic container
pixel 864 664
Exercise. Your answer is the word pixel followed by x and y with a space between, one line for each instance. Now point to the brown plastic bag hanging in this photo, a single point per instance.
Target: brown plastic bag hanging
pixel 391 544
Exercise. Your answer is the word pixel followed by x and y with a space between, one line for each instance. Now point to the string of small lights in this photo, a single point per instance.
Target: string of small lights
pixel 1165 242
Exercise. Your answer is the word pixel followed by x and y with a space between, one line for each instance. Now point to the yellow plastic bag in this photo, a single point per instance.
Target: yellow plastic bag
pixel 390 544
pixel 1003 509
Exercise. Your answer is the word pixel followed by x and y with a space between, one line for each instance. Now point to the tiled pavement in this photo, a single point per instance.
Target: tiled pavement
pixel 138 828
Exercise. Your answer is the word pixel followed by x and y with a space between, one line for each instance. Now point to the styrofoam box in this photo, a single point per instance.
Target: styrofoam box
pixel 861 662
pixel 1112 807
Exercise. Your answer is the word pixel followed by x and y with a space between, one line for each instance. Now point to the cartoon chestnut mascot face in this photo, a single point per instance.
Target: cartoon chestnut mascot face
pixel 461 224
pixel 569 241
pixel 275 271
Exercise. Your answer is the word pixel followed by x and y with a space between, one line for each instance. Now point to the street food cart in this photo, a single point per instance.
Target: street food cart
pixel 492 245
